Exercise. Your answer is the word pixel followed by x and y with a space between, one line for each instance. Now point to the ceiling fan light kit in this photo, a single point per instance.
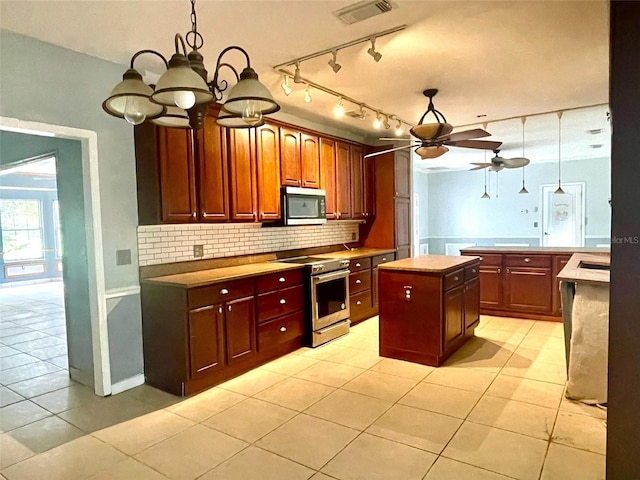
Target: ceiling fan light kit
pixel 184 86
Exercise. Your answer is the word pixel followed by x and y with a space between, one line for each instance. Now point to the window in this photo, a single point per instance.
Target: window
pixel 21 222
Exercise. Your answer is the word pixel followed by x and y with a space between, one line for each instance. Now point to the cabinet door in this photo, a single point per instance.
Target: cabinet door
pixel 369 188
pixel 402 174
pixel 403 227
pixel 206 348
pixel 243 168
pixel 310 158
pixel 357 182
pixel 343 180
pixel 268 156
pixel 240 329
pixel 453 315
pixel 290 157
pixel 177 176
pixel 491 287
pixel 559 261
pixel 471 303
pixel 213 191
pixel 328 174
pixel 528 289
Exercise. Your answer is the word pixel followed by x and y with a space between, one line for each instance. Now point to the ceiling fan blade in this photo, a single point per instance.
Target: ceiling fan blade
pixel 373 154
pixel 516 162
pixel 481 144
pixel 480 166
pixel 466 135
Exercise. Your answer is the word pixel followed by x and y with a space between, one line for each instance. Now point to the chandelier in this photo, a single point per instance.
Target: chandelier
pixel 182 95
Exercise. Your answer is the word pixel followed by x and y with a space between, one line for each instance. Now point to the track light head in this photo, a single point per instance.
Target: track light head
pixel 285 86
pixel 307 95
pixel 386 123
pixel 338 110
pixel 377 123
pixel 296 76
pixel 333 63
pixel 399 130
pixel 372 50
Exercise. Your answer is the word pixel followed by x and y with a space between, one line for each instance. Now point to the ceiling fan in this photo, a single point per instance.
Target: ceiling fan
pixel 432 138
pixel 497 163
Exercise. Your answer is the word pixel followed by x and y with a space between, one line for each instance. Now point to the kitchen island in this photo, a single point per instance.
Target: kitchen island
pixel 429 307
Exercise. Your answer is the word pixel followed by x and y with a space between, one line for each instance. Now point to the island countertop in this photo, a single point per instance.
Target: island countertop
pixel 575 271
pixel 356 253
pixel 429 263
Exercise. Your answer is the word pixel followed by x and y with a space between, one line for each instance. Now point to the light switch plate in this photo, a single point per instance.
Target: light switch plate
pixel 198 250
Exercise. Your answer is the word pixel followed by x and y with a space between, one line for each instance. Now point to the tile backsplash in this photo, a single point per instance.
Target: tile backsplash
pixel 159 244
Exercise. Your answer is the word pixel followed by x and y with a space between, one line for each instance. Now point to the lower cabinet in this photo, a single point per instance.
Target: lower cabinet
pixel 363 286
pixel 206 340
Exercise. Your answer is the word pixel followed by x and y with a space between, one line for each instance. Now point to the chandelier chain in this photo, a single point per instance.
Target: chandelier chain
pixel 194 38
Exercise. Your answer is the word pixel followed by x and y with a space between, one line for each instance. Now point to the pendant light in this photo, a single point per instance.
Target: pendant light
pixel 559 190
pixel 485 194
pixel 523 189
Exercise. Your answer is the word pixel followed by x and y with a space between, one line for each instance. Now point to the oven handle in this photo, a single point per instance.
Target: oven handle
pixel 327 277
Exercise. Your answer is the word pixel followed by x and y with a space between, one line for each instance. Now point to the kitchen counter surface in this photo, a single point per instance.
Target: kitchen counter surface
pixel 537 249
pixel 357 253
pixel 216 275
pixel 429 263
pixel 574 272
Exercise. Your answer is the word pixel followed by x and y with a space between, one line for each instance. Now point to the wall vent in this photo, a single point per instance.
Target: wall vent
pixel 363 10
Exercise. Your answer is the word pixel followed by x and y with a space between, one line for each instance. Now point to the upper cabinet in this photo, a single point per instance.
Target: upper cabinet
pixel 299 159
pixel 242 163
pixel 310 160
pixel 268 157
pixel 213 179
pixel 328 175
pixel 343 181
pixel 357 181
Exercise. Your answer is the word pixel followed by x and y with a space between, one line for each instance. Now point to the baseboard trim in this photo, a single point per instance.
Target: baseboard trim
pixel 82 377
pixel 127 384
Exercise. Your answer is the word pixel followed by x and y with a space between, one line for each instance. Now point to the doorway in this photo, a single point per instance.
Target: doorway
pixel 563 215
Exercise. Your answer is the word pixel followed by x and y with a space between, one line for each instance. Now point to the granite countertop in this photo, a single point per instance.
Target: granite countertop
pixel 356 253
pixel 574 272
pixel 216 275
pixel 537 249
pixel 429 263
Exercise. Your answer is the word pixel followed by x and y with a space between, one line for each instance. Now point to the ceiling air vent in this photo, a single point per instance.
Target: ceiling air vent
pixel 362 10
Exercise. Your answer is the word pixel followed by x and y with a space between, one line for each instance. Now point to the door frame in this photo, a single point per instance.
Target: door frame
pixel 583 202
pixel 93 238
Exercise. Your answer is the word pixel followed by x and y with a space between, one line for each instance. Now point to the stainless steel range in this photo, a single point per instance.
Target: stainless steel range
pixel 327 290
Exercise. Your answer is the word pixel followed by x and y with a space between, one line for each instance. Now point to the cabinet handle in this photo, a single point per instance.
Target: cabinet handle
pixel 204 214
pixel 283 329
pixel 194 214
pixel 358 282
pixel 508 271
pixel 224 291
pixel 527 260
pixel 282 301
pixel 358 302
pixel 229 307
pixel 384 259
pixel 253 214
pixel 202 309
pixel 499 270
pixel 455 279
pixel 480 258
pixel 357 264
pixel 337 215
pixel 473 270
pixel 220 310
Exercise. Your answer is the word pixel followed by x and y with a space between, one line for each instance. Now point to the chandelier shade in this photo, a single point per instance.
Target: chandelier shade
pixel 235 120
pixel 174 85
pixel 174 117
pixel 250 93
pixel 130 99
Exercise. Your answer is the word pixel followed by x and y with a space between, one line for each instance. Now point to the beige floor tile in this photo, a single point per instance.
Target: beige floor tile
pixel 349 409
pixel 295 393
pixel 323 351
pixel 20 414
pixel 149 429
pixel 62 361
pixel 153 396
pixel 580 431
pixel 554 329
pixel 67 461
pixel 380 385
pixel 368 343
pixel 497 450
pixel 8 396
pixel 440 399
pixel 6 351
pixel 321 476
pixel 543 342
pixel 191 453
pixel 329 373
pixel 290 364
pixel 26 372
pixel 107 411
pixel 447 469
pixel 308 440
pixel 517 325
pixel 250 419
pixel 46 434
pixel 518 417
pixel 544 394
pixel 502 336
pixel 130 469
pixel 518 366
pixel 12 451
pixel 49 352
pixel 480 353
pixel 22 337
pixel 565 462
pixel 355 357
pixel 43 384
pixel 255 463
pixel 252 382
pixel 574 406
pixel 205 404
pixel 374 458
pixel 415 427
pixel 462 378
pixel 410 370
pixel 349 340
pixel 66 398
pixel 542 354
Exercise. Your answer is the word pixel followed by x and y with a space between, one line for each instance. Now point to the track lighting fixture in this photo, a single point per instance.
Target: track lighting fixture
pixel 386 122
pixel 297 78
pixel 333 63
pixel 399 130
pixel 307 95
pixel 377 123
pixel 372 50
pixel 361 114
pixel 338 110
pixel 285 86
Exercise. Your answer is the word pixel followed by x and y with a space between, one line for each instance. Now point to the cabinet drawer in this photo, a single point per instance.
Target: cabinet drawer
pixel 359 281
pixel 280 302
pixel 453 279
pixel 359 264
pixel 219 292
pixel 541 261
pixel 490 259
pixel 359 303
pixel 280 330
pixel 386 257
pixel 471 272
pixel 273 281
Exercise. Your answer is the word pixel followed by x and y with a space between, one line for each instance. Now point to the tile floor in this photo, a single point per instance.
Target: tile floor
pixel 495 411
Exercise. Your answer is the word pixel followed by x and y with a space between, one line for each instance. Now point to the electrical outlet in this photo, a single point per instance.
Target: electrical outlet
pixel 353 236
pixel 535 224
pixel 198 250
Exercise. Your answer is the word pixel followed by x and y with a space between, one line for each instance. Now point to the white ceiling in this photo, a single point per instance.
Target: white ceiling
pixel 498 59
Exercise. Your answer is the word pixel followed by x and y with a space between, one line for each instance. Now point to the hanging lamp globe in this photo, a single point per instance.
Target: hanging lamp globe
pixel 249 97
pixel 130 99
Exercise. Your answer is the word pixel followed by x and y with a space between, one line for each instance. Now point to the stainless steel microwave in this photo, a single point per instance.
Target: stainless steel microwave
pixel 303 206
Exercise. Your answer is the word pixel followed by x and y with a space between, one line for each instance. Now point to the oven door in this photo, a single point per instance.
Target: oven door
pixel 329 298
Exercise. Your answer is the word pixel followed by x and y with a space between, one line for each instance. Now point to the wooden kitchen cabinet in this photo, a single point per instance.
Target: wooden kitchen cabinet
pixel 559 262
pixel 453 315
pixel 206 341
pixel 528 289
pixel 328 175
pixel 213 178
pixel 240 329
pixel 369 188
pixel 491 281
pixel 242 163
pixel 343 181
pixel 310 158
pixel 268 163
pixel 299 159
pixel 356 154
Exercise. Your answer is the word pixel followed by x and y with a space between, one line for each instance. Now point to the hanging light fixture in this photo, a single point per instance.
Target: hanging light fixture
pixel 307 95
pixel 372 50
pixel 338 110
pixel 174 117
pixel 485 195
pixel 285 86
pixel 335 66
pixel 184 85
pixel 559 190
pixel 297 77
pixel 523 189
